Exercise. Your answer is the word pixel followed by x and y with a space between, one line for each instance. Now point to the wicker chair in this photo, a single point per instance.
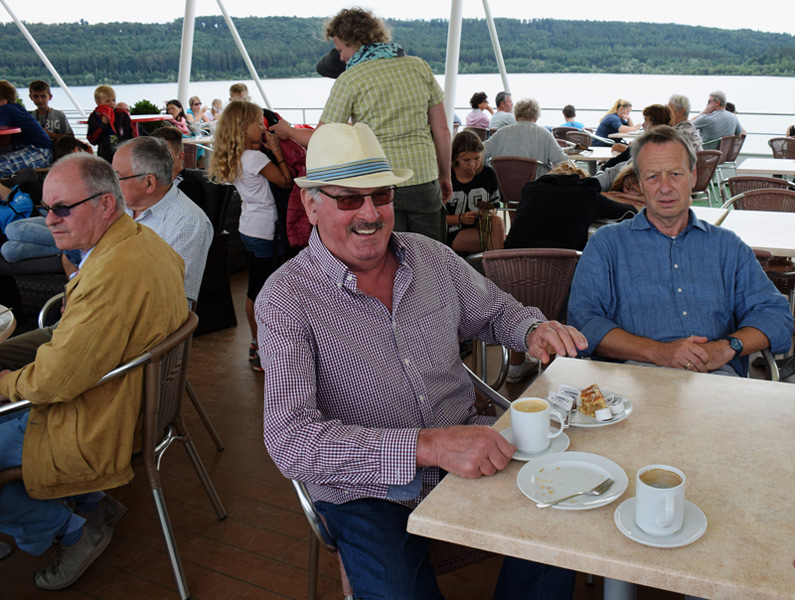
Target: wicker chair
pixel 559 133
pixel 706 163
pixel 783 147
pixel 513 172
pixel 770 200
pixel 165 367
pixel 578 137
pixel 481 132
pixel 738 185
pixel 443 556
pixel 538 277
pixel 730 146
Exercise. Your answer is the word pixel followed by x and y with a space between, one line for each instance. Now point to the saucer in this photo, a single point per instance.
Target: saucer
pixel 556 444
pixel 694 526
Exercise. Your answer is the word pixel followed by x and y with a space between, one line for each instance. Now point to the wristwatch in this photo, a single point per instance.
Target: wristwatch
pixel 736 345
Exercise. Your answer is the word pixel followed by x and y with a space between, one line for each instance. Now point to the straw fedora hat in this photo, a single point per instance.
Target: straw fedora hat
pixel 339 154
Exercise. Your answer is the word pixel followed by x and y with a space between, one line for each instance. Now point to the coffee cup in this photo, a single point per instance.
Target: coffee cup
pixel 530 424
pixel 660 499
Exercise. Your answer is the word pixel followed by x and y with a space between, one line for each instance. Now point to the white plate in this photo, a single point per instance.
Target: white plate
pixel 556 444
pixel 578 419
pixel 557 475
pixel 694 526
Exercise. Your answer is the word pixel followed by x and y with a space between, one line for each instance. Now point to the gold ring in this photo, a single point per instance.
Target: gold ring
pixel 687 366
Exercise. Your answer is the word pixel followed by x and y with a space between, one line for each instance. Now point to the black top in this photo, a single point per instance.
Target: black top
pixel 556 210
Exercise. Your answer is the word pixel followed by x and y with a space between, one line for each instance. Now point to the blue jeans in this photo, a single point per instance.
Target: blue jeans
pixel 385 562
pixel 33 523
pixel 31 238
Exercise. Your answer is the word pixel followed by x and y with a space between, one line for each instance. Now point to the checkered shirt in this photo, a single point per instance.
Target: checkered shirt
pixel 184 227
pixel 392 96
pixel 348 385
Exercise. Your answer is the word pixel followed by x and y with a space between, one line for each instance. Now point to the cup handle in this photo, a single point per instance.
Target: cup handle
pixel 668 519
pixel 553 414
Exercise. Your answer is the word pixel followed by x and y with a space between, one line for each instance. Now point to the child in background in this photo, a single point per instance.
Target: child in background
pixel 216 108
pixel 238 91
pixel 178 117
pixel 53 121
pixel 237 159
pixel 108 127
pixel 31 148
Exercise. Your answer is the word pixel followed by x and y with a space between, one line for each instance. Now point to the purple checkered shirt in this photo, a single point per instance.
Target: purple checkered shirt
pixel 348 385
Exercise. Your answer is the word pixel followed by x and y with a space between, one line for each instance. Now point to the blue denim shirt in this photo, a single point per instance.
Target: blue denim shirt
pixel 703 282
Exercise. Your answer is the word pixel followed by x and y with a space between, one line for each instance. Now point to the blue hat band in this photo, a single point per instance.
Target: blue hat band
pixel 349 170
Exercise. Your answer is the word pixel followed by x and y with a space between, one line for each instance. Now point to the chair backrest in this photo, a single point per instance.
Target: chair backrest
pixel 578 137
pixel 560 132
pixel 539 277
pixel 164 387
pixel 513 172
pixel 769 200
pixel 783 147
pixel 738 185
pixel 481 132
pixel 730 146
pixel 706 163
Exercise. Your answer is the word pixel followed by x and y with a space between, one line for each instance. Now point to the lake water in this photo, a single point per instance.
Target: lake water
pixel 765 104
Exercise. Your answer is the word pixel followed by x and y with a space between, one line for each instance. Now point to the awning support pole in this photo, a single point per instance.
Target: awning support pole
pixel 451 62
pixel 186 52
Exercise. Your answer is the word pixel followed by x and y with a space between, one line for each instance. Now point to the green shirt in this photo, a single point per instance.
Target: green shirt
pixel 392 96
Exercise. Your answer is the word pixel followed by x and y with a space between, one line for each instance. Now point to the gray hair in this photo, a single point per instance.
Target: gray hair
pixel 501 97
pixel 662 134
pixel 720 97
pixel 150 156
pixel 527 109
pixel 680 103
pixel 97 175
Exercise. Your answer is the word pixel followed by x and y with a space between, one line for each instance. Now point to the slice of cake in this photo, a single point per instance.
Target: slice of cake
pixel 591 400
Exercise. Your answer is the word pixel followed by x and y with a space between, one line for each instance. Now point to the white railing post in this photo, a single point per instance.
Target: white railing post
pixel 451 62
pixel 186 52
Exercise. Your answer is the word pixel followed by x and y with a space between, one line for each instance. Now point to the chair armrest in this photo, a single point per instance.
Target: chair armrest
pixel 770 362
pixel 7 409
pixel 316 524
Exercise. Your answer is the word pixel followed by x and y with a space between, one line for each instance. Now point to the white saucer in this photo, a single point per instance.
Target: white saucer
pixel 558 475
pixel 556 444
pixel 694 526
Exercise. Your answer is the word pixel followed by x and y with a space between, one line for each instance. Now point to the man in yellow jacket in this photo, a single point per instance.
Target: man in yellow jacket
pixel 77 440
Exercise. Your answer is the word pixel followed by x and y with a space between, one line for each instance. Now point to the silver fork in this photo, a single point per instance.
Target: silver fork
pixel 596 491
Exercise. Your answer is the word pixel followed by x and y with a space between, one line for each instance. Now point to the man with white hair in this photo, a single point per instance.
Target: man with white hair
pixel 716 122
pixel 366 398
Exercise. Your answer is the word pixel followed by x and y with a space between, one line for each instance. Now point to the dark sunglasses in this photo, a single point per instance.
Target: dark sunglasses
pixel 355 201
pixel 62 211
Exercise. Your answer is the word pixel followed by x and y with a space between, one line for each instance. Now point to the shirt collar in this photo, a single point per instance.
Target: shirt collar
pixel 159 208
pixel 642 222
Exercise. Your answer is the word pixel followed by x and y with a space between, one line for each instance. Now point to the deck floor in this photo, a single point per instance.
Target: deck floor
pixel 260 551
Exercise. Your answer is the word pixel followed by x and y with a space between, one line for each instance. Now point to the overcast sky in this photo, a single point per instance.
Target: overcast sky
pixel 762 15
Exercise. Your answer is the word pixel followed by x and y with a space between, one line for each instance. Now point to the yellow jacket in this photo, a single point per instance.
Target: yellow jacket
pixel 127 297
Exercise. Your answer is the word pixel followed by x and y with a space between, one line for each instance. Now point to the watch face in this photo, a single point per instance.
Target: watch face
pixel 736 344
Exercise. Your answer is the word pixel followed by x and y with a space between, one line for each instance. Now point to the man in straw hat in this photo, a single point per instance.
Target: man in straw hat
pixel 366 399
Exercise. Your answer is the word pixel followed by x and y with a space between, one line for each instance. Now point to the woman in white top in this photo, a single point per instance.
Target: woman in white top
pixel 237 159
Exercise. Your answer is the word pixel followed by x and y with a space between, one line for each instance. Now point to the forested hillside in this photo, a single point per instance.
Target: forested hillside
pixel 112 53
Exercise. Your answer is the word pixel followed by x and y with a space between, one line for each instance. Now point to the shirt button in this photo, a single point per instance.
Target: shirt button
pixel 422 398
pixel 676 266
pixel 684 312
pixel 349 278
pixel 406 361
pixel 679 290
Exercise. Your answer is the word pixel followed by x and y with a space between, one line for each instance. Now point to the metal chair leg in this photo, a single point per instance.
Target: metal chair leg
pixel 198 465
pixel 171 544
pixel 203 416
pixel 314 547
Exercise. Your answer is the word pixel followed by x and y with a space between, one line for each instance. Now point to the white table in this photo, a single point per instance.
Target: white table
pixel 766 166
pixel 714 216
pixel 628 134
pixel 763 230
pixel 593 156
pixel 733 439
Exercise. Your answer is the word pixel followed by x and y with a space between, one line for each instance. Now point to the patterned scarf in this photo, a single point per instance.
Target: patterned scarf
pixel 378 50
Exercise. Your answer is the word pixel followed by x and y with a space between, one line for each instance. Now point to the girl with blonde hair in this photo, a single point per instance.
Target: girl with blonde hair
pixel 237 159
pixel 616 120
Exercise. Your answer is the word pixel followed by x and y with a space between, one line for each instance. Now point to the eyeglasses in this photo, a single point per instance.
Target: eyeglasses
pixel 62 211
pixel 131 176
pixel 196 104
pixel 355 201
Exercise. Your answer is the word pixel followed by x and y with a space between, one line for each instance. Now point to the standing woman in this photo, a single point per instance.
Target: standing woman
pixel 615 121
pixel 471 227
pixel 178 118
pixel 237 159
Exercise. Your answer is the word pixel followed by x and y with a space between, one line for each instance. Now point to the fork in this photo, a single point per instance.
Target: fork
pixel 596 491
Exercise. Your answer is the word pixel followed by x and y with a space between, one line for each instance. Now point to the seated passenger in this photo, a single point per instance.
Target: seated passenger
pixel 570 115
pixel 53 121
pixel 504 115
pixel 178 117
pixel 29 149
pixel 477 118
pixel 472 222
pixel 526 139
pixel 680 106
pixel 616 120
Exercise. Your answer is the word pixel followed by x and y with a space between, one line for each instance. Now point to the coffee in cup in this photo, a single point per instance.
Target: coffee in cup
pixel 530 424
pixel 660 499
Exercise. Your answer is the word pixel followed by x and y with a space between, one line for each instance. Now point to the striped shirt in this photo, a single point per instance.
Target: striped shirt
pixel 184 227
pixel 392 96
pixel 348 385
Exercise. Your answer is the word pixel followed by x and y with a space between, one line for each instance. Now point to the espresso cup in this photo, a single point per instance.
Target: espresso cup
pixel 660 499
pixel 530 424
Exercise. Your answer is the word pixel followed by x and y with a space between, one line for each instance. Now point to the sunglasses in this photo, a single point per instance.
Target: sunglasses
pixel 355 201
pixel 62 211
pixel 128 177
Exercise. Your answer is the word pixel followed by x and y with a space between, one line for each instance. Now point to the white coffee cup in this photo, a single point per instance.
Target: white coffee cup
pixel 530 424
pixel 660 499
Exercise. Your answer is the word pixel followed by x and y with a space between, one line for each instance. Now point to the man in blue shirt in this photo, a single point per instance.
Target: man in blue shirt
pixel 668 289
pixel 29 149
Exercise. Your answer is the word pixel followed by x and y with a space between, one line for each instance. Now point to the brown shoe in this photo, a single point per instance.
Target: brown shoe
pixel 72 561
